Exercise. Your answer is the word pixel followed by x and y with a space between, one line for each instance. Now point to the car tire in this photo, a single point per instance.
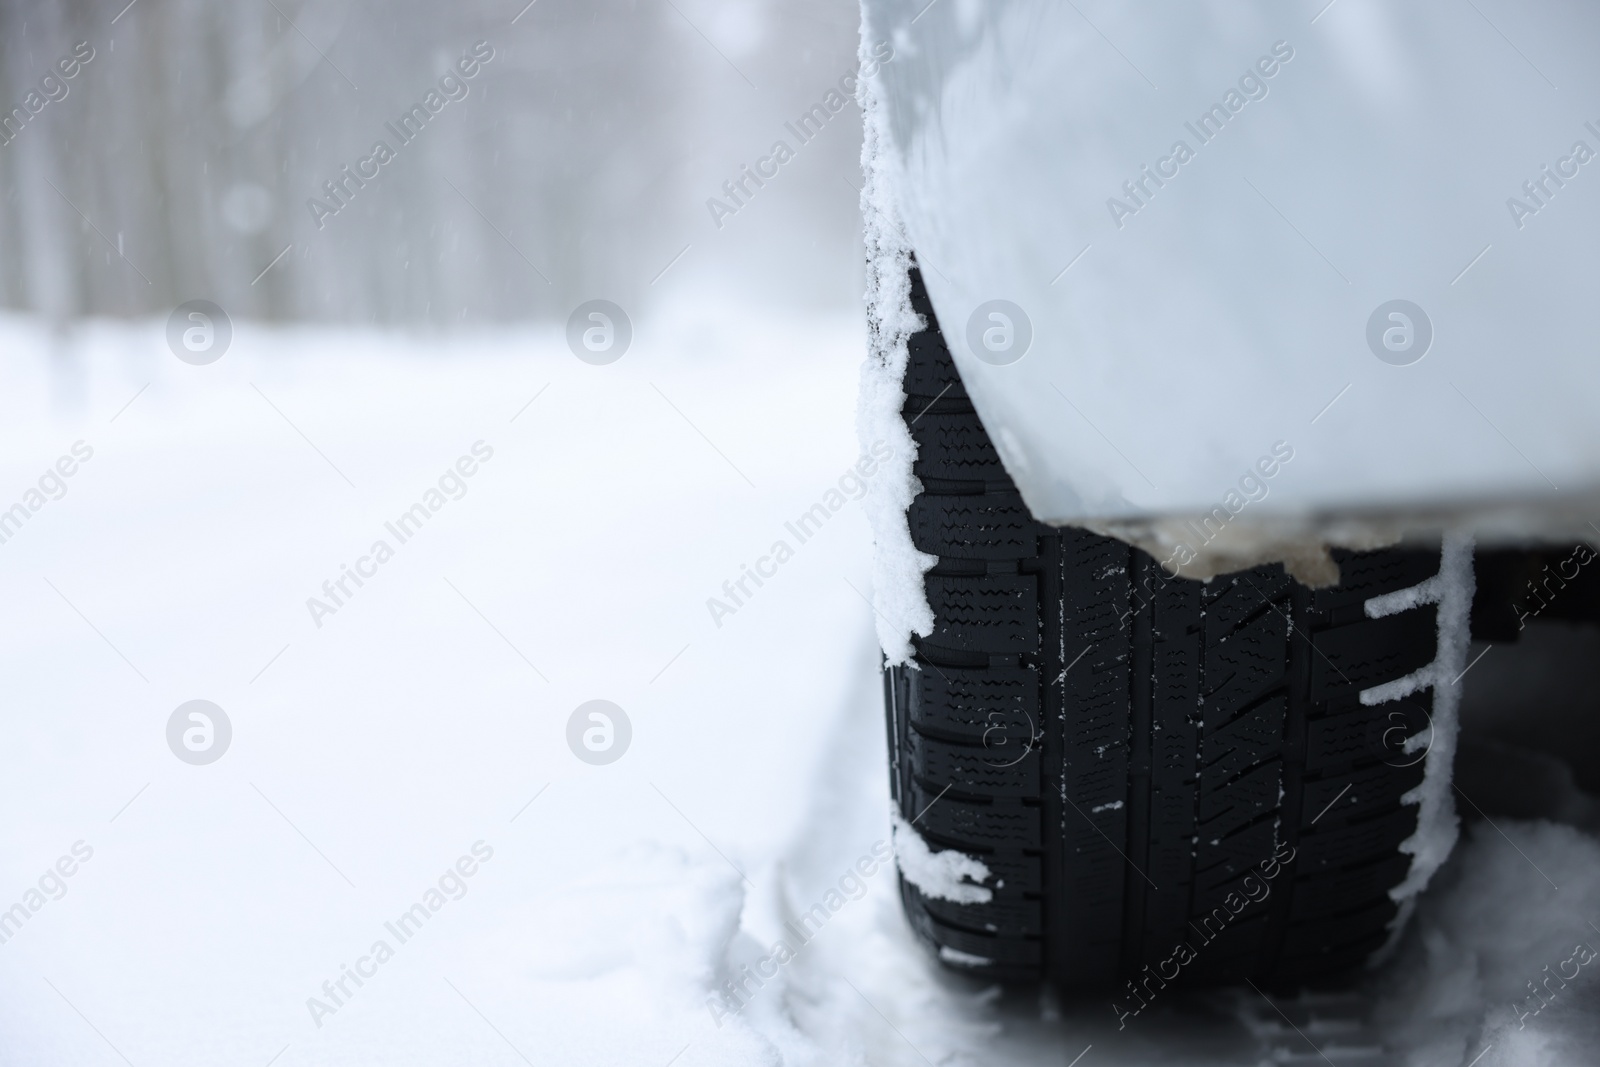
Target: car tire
pixel 1139 761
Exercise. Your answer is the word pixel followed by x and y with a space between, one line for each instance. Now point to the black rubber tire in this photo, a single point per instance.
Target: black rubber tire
pixel 1123 749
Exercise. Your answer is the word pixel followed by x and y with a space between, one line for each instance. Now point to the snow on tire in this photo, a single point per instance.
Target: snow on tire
pixel 1159 780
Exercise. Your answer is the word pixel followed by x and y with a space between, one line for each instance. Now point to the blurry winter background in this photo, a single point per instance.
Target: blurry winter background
pixel 210 909
pixel 180 162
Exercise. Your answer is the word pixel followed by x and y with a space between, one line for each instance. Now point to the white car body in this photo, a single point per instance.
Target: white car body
pixel 1203 213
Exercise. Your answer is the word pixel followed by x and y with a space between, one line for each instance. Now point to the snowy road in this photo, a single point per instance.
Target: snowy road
pixel 399 772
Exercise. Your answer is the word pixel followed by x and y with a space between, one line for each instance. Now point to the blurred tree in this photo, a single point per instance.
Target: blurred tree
pixel 181 159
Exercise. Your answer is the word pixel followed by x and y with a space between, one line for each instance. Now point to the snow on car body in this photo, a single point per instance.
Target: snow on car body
pixel 1173 247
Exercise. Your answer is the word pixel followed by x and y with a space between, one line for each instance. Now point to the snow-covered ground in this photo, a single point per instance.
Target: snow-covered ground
pixel 420 732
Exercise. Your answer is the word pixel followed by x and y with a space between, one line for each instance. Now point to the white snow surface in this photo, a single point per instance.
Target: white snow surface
pixel 369 755
pixel 900 597
pixel 946 875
